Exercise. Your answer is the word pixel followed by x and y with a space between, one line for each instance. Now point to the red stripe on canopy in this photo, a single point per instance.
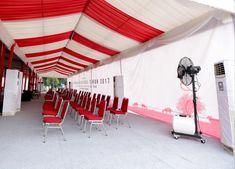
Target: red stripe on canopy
pixel 73 62
pixel 53 69
pixel 29 9
pixel 68 70
pixel 63 73
pixel 48 64
pixel 79 56
pixel 71 67
pixel 45 60
pixel 30 55
pixel 119 21
pixel 81 39
pixel 41 69
pixel 43 40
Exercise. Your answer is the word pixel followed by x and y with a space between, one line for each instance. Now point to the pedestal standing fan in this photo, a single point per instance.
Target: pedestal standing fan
pixel 186 72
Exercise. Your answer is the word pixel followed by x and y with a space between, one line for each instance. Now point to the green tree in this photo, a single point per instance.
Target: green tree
pixel 54 82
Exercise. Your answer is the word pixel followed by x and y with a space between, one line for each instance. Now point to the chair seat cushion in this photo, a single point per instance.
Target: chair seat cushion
pixel 52 120
pixel 92 117
pixel 48 108
pixel 46 105
pixel 116 111
pixel 78 108
pixel 49 112
pixel 109 108
pixel 47 102
pixel 72 103
pixel 84 112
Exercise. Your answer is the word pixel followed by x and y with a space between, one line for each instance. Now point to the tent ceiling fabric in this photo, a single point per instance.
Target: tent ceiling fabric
pixel 59 38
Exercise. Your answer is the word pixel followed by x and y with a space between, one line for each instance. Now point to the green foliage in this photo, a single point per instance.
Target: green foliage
pixel 54 82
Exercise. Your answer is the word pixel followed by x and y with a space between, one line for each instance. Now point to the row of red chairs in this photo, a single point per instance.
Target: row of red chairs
pixel 84 108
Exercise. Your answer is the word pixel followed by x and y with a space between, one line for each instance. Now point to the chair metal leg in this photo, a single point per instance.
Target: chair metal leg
pixel 90 130
pixel 128 121
pixel 71 114
pixel 78 120
pixel 62 133
pixel 84 128
pixel 110 120
pixel 43 125
pixel 104 129
pixel 82 120
pixel 75 116
pixel 45 134
pixel 117 121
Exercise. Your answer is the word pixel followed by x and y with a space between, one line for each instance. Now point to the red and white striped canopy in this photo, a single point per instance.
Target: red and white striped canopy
pixel 61 37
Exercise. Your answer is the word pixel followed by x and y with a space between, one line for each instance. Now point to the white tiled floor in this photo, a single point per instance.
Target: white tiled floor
pixel 147 145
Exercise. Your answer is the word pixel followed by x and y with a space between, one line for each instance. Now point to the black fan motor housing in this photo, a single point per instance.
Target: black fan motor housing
pixel 193 69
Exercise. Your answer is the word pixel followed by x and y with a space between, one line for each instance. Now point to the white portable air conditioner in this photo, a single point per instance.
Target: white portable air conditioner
pixel 11 93
pixel 118 86
pixel 224 77
pixel 20 80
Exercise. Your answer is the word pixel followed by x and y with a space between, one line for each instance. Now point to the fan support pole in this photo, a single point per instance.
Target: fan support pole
pixel 195 105
pixel 196 134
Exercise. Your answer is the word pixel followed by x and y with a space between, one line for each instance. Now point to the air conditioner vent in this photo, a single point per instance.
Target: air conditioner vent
pixel 219 69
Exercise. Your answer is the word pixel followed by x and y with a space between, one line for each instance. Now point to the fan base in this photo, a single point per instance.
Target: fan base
pixel 176 135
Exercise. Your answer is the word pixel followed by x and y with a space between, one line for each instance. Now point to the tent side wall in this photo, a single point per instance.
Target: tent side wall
pixel 150 78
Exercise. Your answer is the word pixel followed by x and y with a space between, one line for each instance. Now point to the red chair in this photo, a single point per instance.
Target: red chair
pixel 79 109
pixel 50 104
pixel 98 103
pixel 98 99
pixel 49 95
pixel 121 112
pixel 114 107
pixel 53 112
pixel 87 111
pixel 55 122
pixel 96 119
pixel 107 101
pixel 94 95
pixel 74 102
pixel 79 106
pixel 79 103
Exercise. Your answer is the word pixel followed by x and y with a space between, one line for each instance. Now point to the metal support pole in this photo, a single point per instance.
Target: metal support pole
pixel 33 80
pixel 26 76
pixel 29 81
pixel 195 105
pixel 2 55
pixel 11 56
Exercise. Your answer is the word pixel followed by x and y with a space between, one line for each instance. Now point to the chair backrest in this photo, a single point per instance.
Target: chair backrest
pixel 98 98
pixel 69 96
pixel 102 108
pixel 58 104
pixel 107 101
pixel 55 101
pixel 75 98
pixel 94 95
pixel 80 100
pixel 102 97
pixel 115 103
pixel 64 109
pixel 74 92
pixel 89 94
pixel 84 101
pixel 88 103
pixel 93 105
pixel 124 104
pixel 79 93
